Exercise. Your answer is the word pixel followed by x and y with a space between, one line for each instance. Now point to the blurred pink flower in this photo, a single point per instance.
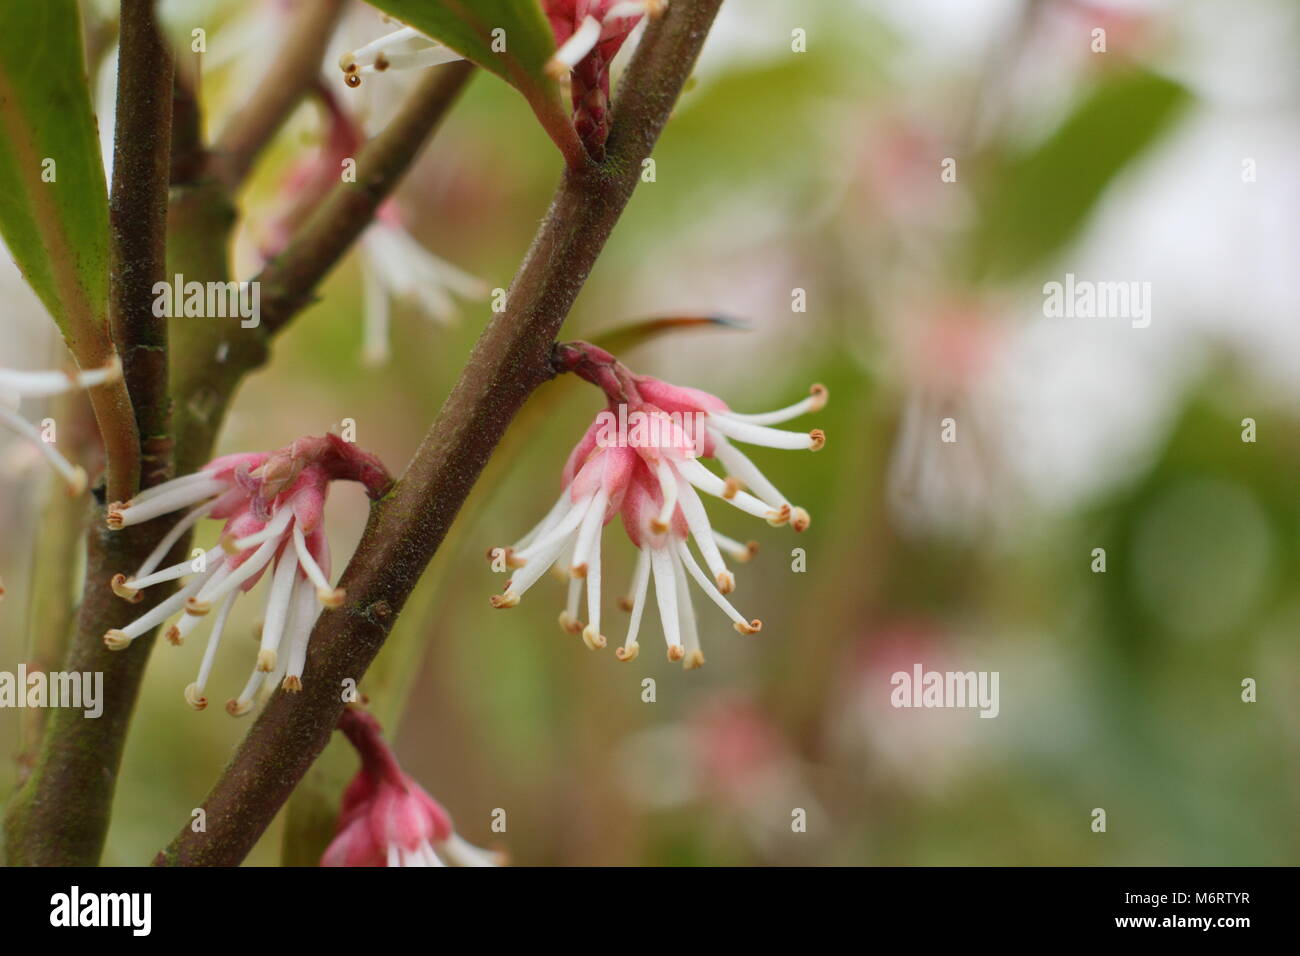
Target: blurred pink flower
pixel 925 748
pixel 946 464
pixel 394 265
pixel 387 819
pixel 731 757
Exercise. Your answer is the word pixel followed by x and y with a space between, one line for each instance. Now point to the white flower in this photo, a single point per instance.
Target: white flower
pixel 396 266
pixel 404 49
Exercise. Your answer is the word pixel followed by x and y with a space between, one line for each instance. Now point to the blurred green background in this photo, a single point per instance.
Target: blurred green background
pixel 822 171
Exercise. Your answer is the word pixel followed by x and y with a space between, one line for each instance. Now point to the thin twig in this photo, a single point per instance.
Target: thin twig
pixel 288 78
pixel 511 358
pixel 138 228
pixel 288 281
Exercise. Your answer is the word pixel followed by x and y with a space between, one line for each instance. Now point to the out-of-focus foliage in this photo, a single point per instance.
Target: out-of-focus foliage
pixel 1042 196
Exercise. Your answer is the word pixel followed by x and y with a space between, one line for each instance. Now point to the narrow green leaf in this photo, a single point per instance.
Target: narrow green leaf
pixel 626 337
pixel 1042 197
pixel 53 197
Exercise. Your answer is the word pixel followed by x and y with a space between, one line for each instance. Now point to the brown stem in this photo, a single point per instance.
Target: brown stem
pixel 138 226
pixel 512 357
pixel 61 815
pixel 288 78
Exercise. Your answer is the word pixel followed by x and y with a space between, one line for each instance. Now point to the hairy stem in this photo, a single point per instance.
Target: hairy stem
pixel 138 228
pixel 511 358
pixel 61 815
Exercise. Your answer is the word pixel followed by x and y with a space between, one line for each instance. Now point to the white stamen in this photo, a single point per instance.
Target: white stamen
pixel 436 304
pixel 739 552
pixel 184 481
pixel 177 633
pixel 403 49
pixel 463 853
pixel 569 619
pixel 173 499
pixel 244 702
pixel 563 528
pixel 303 614
pixel 591 633
pixel 738 464
pixel 698 521
pixel 661 563
pixel 151 619
pixel 686 617
pixel 589 533
pixel 175 571
pixel 277 610
pixel 711 484
pixel 74 475
pixel 402 268
pixel 561 570
pixel 174 535
pixel 210 653
pixel 538 564
pixel 640 585
pixel 261 557
pixel 631 8
pixel 274 678
pixel 457 280
pixel 814 402
pixel 44 384
pixel 324 592
pixel 434 55
pixel 273 529
pixel 428 856
pixel 580 43
pixel 708 588
pixel 761 435
pixel 668 485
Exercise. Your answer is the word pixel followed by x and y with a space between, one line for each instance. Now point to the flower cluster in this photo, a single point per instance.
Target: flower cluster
pixel 588 33
pixel 651 476
pixel 16 385
pixel 272 505
pixel 387 819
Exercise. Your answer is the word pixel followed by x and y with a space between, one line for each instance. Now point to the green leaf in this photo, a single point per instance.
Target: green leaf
pixel 467 27
pixel 626 337
pixel 1042 197
pixel 56 230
